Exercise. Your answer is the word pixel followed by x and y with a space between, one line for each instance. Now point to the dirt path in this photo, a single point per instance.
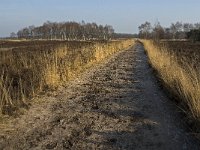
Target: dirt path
pixel 115 105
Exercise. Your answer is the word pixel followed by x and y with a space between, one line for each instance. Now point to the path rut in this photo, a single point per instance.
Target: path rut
pixel 114 105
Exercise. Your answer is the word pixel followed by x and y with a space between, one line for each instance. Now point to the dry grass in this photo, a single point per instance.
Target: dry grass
pixel 181 79
pixel 31 69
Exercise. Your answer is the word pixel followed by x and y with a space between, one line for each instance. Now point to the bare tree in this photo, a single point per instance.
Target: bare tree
pixel 176 30
pixel 13 35
pixel 197 25
pixel 145 29
pixel 67 31
pixel 187 27
pixel 158 31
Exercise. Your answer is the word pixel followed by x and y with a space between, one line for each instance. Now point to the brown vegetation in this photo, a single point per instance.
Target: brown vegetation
pixel 33 67
pixel 176 64
pixel 188 51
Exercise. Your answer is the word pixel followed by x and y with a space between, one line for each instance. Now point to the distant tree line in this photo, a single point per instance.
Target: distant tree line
pixel 194 35
pixel 66 31
pixel 176 30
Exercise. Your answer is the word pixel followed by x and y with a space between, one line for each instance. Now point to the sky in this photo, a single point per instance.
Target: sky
pixel 124 15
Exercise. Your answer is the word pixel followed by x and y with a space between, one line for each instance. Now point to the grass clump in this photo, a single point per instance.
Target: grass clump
pixel 178 76
pixel 33 68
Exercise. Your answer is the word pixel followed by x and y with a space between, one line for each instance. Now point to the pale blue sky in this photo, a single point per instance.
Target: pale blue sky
pixel 124 15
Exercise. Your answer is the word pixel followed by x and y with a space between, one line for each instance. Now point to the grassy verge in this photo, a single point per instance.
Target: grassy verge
pixel 31 69
pixel 182 80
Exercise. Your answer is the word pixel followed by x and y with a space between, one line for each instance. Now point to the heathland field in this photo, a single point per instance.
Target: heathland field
pixel 31 67
pixel 177 64
pixel 188 51
pixel 99 95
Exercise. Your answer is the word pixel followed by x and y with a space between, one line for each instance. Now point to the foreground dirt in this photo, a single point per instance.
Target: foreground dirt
pixel 115 105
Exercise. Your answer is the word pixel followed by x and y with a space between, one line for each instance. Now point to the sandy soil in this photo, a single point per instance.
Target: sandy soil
pixel 114 105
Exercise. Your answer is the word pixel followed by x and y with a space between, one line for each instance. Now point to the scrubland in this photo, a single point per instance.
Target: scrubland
pixel 29 68
pixel 177 65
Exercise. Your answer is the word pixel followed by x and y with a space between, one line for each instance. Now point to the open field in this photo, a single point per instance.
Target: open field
pixel 188 51
pixel 98 95
pixel 32 67
pixel 114 105
pixel 177 65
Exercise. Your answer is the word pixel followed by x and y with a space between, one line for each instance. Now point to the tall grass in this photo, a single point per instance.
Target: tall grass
pixel 181 79
pixel 27 71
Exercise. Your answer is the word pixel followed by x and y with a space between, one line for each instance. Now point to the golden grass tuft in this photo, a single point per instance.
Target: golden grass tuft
pixel 181 79
pixel 31 69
